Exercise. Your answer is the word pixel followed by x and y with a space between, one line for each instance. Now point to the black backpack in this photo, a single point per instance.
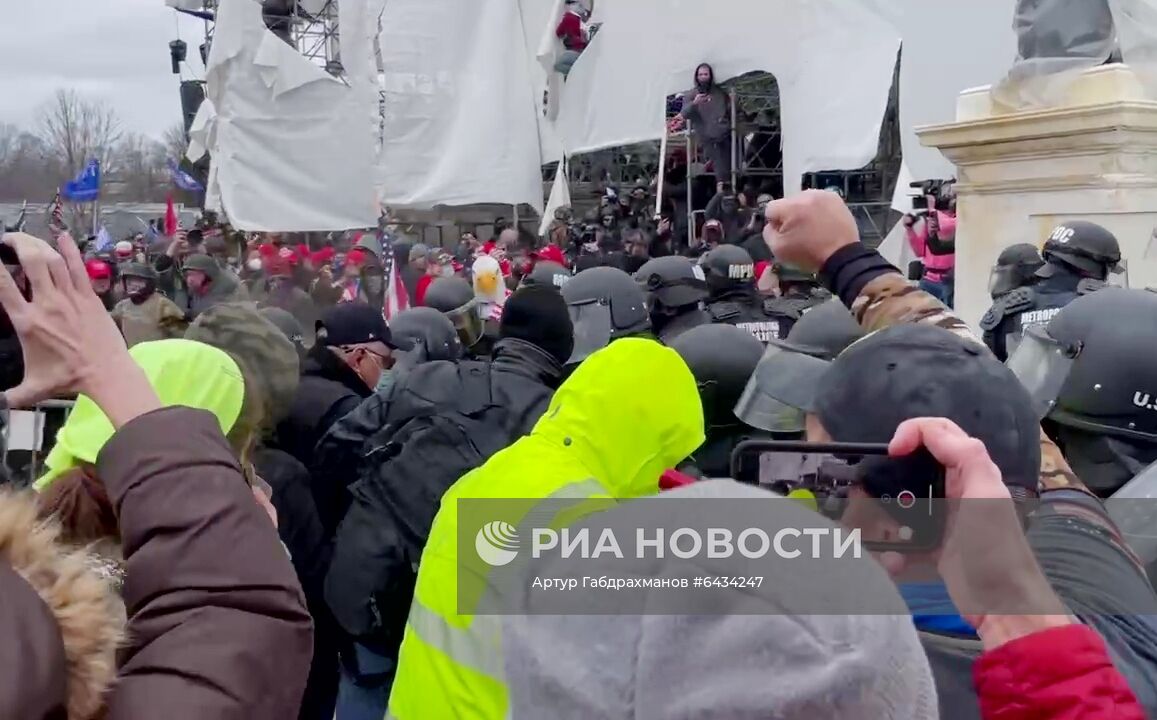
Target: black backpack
pixel 380 540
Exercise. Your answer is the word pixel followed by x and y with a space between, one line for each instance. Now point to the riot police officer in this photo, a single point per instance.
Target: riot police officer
pixel 1015 268
pixel 605 304
pixel 1079 258
pixel 1094 384
pixel 730 275
pixel 824 331
pixel 676 289
pixel 454 298
pixel 546 273
pixel 722 359
pixel 799 292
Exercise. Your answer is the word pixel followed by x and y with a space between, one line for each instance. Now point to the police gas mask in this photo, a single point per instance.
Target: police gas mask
pixel 608 221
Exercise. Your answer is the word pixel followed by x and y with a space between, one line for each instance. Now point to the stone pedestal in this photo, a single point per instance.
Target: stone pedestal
pixel 1092 158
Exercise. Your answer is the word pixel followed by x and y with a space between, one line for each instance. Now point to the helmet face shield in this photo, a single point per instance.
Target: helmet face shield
pixel 592 329
pixel 781 391
pixel 1042 365
pixel 1118 275
pixel 1003 280
pixel 467 322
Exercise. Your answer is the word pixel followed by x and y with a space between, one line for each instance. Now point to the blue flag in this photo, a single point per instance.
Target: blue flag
pixel 103 239
pixel 86 186
pixel 184 180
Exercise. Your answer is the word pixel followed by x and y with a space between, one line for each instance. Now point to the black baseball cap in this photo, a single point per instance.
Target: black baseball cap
pixel 356 323
pixel 914 370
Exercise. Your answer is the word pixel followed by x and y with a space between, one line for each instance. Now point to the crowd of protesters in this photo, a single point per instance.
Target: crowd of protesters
pixel 252 509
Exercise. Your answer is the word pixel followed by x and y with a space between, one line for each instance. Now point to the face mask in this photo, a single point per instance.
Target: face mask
pixel 385 382
pixel 374 284
pixel 254 265
pixel 446 271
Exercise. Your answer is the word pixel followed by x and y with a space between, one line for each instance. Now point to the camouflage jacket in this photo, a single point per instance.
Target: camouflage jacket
pixel 890 300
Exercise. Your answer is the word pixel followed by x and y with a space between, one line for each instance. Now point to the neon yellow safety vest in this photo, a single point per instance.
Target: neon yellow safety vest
pixel 629 412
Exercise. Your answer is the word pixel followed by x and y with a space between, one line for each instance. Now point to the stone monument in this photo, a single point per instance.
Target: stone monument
pixel 1092 156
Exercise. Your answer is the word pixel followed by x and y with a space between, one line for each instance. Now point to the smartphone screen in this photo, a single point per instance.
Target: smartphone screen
pixel 896 503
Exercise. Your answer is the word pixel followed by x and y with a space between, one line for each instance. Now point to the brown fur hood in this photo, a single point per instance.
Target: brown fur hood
pixel 60 621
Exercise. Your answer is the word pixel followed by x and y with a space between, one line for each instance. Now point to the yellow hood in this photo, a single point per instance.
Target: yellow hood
pixel 630 411
pixel 183 372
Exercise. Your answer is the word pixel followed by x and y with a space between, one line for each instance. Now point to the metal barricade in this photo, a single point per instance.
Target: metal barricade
pixel 25 429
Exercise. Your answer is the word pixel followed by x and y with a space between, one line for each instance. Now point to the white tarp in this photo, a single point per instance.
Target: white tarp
pixel 292 146
pixel 460 116
pixel 559 197
pixel 949 46
pixel 833 60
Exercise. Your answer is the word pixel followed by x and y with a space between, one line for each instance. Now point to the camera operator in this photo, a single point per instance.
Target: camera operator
pixel 932 236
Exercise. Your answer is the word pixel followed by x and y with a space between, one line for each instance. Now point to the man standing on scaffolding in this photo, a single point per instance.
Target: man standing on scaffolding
pixel 708 109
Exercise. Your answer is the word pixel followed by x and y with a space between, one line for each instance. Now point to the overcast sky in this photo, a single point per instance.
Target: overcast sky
pixel 117 50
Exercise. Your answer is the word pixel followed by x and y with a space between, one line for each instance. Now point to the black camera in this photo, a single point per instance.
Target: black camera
pixel 938 189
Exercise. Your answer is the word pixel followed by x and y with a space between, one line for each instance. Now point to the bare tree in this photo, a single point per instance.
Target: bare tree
pixel 76 129
pixel 138 170
pixel 175 142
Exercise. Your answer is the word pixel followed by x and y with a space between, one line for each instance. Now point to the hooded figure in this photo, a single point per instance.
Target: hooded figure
pixel 629 412
pixel 489 288
pixel 208 284
pixel 146 315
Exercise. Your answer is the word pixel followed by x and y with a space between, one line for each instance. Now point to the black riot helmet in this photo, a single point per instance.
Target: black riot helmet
pixel 672 282
pixel 1084 247
pixel 722 359
pixel 430 332
pixel 605 304
pixel 728 268
pixel 454 298
pixel 1094 383
pixel 547 274
pixel 1015 267
pixel 824 331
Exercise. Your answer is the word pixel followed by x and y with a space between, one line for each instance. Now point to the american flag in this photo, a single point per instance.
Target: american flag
pixel 56 223
pixel 397 299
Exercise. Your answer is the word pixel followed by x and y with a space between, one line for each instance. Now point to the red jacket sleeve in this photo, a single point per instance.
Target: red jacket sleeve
pixel 420 291
pixel 1059 674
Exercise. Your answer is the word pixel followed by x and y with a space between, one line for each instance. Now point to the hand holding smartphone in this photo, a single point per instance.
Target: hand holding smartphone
pixel 895 502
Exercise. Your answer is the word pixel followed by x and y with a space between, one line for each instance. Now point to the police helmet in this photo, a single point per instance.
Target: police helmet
pixel 547 274
pixel 432 334
pixel 605 304
pixel 1016 267
pixel 722 359
pixel 1087 371
pixel 1084 246
pixel 727 268
pixel 672 281
pixel 454 298
pixel 824 331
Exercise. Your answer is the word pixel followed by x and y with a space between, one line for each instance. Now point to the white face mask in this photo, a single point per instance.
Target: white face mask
pixel 446 271
pixel 254 264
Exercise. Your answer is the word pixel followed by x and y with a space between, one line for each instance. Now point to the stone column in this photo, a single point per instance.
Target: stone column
pixel 1093 157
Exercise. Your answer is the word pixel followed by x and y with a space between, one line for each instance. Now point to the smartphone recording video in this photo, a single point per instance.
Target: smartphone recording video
pixel 895 503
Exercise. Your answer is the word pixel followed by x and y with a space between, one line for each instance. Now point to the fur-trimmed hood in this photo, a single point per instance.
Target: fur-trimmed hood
pixel 60 621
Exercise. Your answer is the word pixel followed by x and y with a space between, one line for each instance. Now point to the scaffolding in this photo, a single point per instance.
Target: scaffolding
pixel 757 158
pixel 310 26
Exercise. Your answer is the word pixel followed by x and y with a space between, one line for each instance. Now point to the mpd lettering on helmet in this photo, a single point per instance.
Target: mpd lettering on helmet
pixel 1037 317
pixel 560 279
pixel 1062 234
pixel 764 332
pixel 740 272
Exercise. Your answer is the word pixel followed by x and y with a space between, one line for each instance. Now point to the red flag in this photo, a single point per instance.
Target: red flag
pixel 172 225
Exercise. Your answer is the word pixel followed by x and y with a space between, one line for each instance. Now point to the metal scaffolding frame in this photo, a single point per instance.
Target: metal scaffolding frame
pixel 314 35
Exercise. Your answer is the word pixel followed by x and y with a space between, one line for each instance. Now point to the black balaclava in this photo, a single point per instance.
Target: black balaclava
pixel 704 88
pixel 144 293
pixel 373 283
